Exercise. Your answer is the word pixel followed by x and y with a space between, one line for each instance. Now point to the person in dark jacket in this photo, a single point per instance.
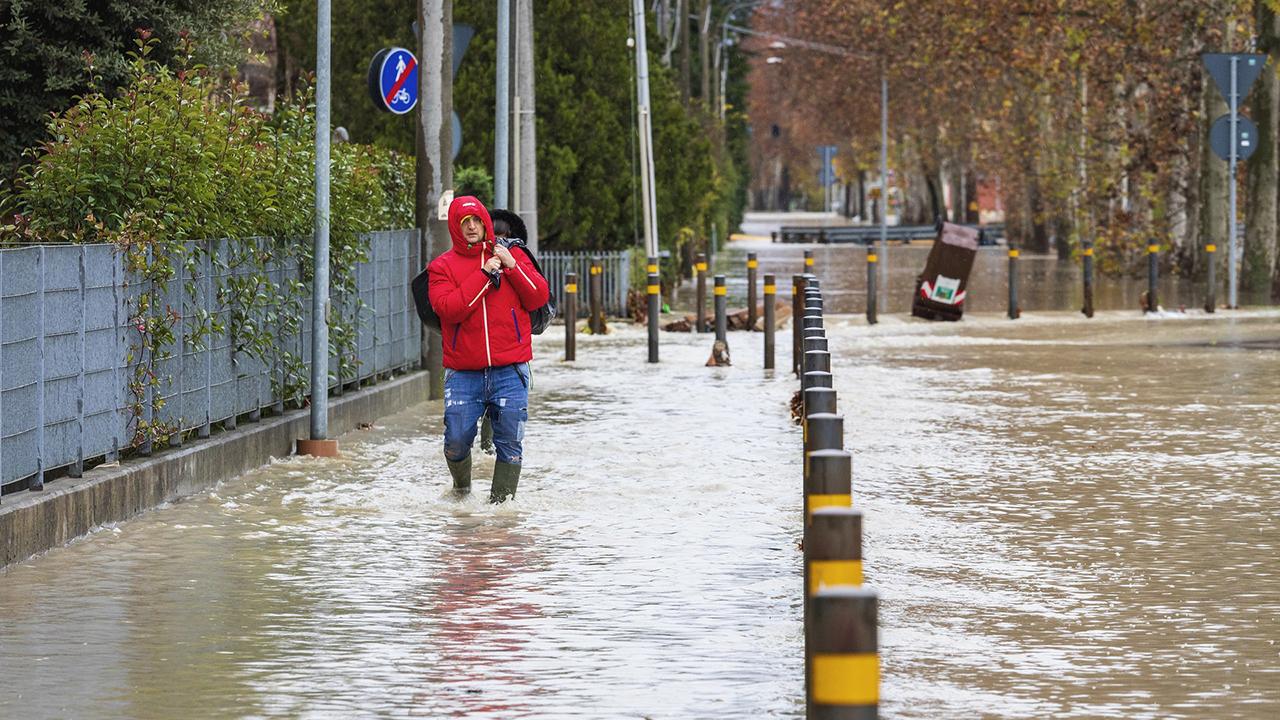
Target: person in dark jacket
pixel 483 294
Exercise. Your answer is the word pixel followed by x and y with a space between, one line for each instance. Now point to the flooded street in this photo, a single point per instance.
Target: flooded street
pixel 1064 518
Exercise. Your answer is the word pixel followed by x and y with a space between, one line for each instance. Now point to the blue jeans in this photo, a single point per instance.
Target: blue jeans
pixel 502 393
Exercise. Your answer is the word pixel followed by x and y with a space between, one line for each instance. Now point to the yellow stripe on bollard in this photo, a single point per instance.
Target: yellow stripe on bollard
pixel 702 267
pixel 1211 248
pixel 808 262
pixel 1087 252
pixel 571 288
pixel 873 258
pixel 1013 253
pixel 770 289
pixel 840 679
pixel 753 264
pixel 823 573
pixel 721 290
pixel 820 501
pixel 654 289
pixel 1153 249
pixel 651 269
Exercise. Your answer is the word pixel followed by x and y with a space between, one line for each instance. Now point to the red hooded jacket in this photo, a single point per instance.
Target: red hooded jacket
pixel 482 326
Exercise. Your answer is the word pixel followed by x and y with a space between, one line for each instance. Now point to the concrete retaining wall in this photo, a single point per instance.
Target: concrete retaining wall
pixel 33 522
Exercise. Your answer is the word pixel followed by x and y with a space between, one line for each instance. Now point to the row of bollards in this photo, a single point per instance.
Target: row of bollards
pixel 842 665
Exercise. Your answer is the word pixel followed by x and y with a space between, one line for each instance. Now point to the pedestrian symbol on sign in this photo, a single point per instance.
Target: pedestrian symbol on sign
pixel 393 80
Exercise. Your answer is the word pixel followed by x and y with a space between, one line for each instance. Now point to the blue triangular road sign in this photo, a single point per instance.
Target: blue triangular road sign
pixel 1248 67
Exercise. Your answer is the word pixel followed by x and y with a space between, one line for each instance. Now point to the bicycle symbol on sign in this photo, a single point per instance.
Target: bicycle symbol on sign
pixel 402 97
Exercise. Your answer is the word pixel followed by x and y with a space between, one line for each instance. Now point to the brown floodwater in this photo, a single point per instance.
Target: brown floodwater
pixel 1064 518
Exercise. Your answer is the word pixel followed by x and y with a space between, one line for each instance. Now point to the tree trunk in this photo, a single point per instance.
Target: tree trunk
pixel 1213 180
pixel 1259 260
pixel 958 203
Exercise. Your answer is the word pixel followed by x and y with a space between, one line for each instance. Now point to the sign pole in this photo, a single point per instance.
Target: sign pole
pixel 319 444
pixel 502 111
pixel 1231 184
pixel 884 183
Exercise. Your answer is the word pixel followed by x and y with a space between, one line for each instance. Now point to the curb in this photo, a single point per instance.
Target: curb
pixel 34 522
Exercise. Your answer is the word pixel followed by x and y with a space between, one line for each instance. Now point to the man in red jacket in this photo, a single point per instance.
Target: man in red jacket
pixel 483 294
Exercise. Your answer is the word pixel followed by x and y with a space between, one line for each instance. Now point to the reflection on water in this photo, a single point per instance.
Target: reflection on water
pixel 1044 282
pixel 1065 518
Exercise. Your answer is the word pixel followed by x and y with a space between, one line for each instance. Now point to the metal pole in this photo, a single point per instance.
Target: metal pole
pixel 752 313
pixel 884 178
pixel 320 285
pixel 797 313
pixel 654 290
pixel 570 316
pixel 525 128
pixel 770 290
pixel 1231 184
pixel 595 297
pixel 646 133
pixel 502 108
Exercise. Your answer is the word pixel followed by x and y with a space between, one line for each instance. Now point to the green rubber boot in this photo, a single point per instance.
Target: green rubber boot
pixel 461 472
pixel 486 435
pixel 505 478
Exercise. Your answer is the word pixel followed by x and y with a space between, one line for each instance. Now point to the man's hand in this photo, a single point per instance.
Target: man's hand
pixel 504 255
pixel 492 264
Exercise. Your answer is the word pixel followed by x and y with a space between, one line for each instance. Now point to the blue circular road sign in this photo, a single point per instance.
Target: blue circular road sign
pixel 393 80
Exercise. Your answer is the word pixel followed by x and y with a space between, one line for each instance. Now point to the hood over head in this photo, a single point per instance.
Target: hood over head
pixel 460 208
pixel 513 221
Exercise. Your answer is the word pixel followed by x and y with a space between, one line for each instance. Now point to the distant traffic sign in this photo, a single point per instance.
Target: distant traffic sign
pixel 1248 68
pixel 1246 137
pixel 393 80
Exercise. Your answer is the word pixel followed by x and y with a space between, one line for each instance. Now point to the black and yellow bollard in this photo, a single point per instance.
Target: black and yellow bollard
pixel 722 320
pixel 822 431
pixel 1086 256
pixel 797 314
pixel 832 546
pixel 1211 299
pixel 570 316
pixel 813 305
pixel 811 321
pixel 828 481
pixel 842 654
pixel 808 261
pixel 815 379
pixel 700 305
pixel 872 261
pixel 595 299
pixel 770 339
pixel 653 288
pixel 1014 310
pixel 1153 277
pixel 815 342
pixel 817 360
pixel 753 313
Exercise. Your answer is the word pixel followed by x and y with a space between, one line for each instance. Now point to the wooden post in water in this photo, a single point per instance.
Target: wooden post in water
pixel 770 292
pixel 595 291
pixel 700 307
pixel 1211 301
pixel 752 312
pixel 842 654
pixel 1087 255
pixel 570 316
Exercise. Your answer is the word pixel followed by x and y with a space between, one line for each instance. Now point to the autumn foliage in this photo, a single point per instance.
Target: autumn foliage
pixel 1090 114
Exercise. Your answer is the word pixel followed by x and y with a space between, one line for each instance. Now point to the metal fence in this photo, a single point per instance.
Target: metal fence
pixel 617 277
pixel 68 350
